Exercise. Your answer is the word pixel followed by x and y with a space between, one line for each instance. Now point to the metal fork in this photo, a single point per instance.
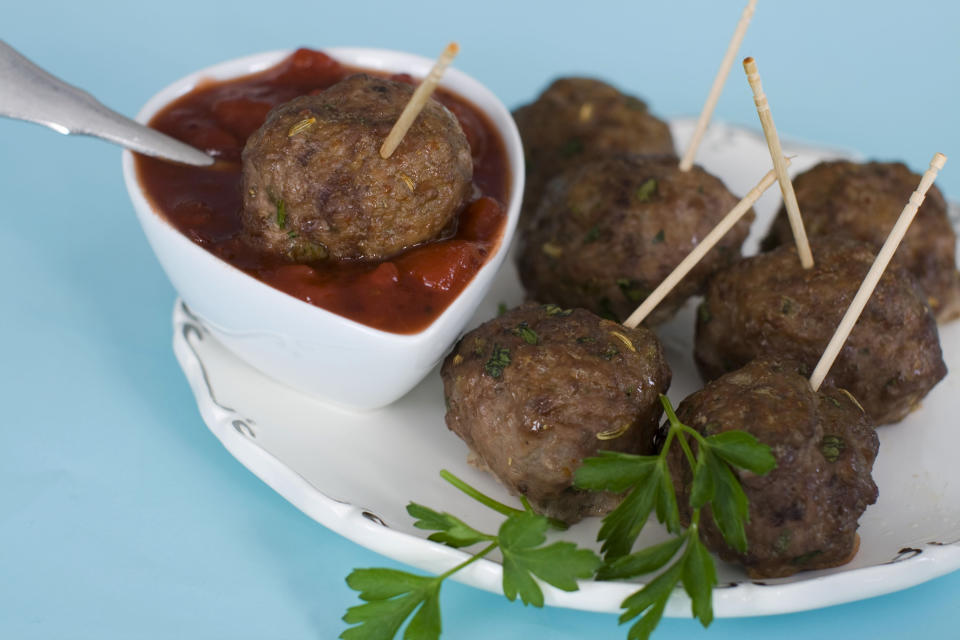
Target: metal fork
pixel 29 93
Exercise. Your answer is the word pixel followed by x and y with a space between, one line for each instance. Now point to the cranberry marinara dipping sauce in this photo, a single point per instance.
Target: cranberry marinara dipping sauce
pixel 402 294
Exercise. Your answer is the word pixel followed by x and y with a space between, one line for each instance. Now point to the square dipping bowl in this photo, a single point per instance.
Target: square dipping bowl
pixel 298 344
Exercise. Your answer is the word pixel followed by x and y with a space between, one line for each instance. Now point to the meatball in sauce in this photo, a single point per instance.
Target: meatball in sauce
pixel 315 185
pixel 315 253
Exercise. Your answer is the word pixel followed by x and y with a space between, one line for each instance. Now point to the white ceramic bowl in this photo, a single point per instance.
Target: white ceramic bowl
pixel 296 343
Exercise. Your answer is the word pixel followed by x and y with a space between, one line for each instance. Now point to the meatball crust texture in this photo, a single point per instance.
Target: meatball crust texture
pixel 804 513
pixel 770 304
pixel 578 119
pixel 608 232
pixel 535 391
pixel 864 200
pixel 315 186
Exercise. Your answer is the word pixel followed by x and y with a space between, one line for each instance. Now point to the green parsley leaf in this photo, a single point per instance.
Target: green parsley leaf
pixel 392 596
pixel 660 237
pixel 699 578
pixel 831 447
pixel 554 310
pixel 623 525
pixel 667 511
pixel 613 471
pixel 702 490
pixel 558 564
pixel 592 235
pixel 641 562
pixel 741 449
pixel 653 596
pixel 281 214
pixel 730 506
pixel 450 530
pixel 426 623
pixel 525 333
pixel 646 191
pixel 499 360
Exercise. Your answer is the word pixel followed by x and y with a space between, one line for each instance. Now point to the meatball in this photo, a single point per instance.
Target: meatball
pixel 864 201
pixel 539 389
pixel 579 119
pixel 607 233
pixel 315 186
pixel 770 304
pixel 804 513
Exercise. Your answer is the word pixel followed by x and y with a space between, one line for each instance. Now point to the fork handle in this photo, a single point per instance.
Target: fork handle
pixel 29 93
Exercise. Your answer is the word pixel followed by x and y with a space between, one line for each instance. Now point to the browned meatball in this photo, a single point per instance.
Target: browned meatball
pixel 579 119
pixel 770 304
pixel 804 513
pixel 864 201
pixel 315 185
pixel 537 390
pixel 607 233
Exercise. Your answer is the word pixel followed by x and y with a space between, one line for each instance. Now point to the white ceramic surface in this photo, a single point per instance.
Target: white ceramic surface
pixel 355 472
pixel 301 345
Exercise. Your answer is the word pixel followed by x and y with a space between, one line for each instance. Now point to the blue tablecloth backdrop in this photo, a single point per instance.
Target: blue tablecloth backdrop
pixel 121 516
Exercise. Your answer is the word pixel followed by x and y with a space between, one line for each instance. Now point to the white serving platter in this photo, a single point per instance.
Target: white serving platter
pixel 355 472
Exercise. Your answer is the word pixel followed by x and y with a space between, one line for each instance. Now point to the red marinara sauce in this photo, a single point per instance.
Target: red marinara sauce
pixel 402 294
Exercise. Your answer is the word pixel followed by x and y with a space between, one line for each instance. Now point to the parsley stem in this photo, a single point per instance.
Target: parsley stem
pixel 483 499
pixel 671 433
pixel 668 408
pixel 489 502
pixel 687 451
pixel 677 428
pixel 696 434
pixel 526 504
pixel 446 574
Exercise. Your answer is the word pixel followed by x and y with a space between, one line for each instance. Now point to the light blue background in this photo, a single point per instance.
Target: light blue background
pixel 121 516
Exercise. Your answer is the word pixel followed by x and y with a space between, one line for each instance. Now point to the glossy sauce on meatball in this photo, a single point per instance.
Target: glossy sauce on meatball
pixel 608 232
pixel 535 391
pixel 770 304
pixel 804 514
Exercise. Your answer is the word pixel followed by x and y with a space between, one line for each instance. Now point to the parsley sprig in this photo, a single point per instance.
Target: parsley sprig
pixel 651 489
pixel 392 596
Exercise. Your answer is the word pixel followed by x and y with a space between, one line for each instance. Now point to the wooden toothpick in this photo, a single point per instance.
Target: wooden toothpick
pixel 701 250
pixel 418 100
pixel 776 153
pixel 717 87
pixel 876 270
